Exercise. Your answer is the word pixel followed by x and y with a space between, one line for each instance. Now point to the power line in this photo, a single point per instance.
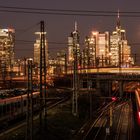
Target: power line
pixel 66 12
pixel 54 13
pixel 28 28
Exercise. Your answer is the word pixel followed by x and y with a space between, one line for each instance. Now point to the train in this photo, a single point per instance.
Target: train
pixel 16 107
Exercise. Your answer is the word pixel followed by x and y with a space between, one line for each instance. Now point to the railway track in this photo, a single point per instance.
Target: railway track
pixel 124 123
pixel 121 119
pixel 130 124
pixel 92 128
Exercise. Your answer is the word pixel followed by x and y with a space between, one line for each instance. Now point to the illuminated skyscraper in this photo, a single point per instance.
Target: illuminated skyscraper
pixel 114 50
pixel 7 43
pixel 103 48
pixel 97 49
pixel 74 45
pixel 89 52
pixel 120 52
pixel 37 49
pixel 61 62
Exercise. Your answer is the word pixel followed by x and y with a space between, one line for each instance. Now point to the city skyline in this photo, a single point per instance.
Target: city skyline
pixel 58 27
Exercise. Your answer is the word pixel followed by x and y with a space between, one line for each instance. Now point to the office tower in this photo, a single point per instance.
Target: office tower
pixel 74 45
pixel 120 51
pixel 96 49
pixel 89 52
pixel 37 49
pixel 103 48
pixel 114 50
pixel 7 44
pixel 61 62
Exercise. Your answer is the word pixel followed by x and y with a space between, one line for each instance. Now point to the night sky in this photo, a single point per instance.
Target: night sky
pixel 59 27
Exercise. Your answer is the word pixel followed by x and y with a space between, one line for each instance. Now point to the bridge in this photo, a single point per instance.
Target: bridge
pixel 105 77
pixel 109 73
pixel 135 70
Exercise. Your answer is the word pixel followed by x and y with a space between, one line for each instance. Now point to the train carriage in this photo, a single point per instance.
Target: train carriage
pixel 14 107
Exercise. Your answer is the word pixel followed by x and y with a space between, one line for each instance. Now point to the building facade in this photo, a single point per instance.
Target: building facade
pixel 96 50
pixel 37 49
pixel 7 44
pixel 120 51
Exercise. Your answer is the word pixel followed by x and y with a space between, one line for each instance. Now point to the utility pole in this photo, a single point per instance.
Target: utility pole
pixel 65 55
pixel 89 82
pixel 95 55
pixel 102 60
pixel 29 115
pixel 135 58
pixel 42 73
pixel 75 73
pixel 120 57
pixel 24 67
pixel 10 71
pixel 75 84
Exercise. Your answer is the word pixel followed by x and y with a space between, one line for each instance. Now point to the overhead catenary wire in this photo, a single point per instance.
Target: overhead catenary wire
pixel 28 28
pixel 67 12
pixel 24 10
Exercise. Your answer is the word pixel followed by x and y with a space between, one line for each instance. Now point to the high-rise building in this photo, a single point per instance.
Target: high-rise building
pixel 114 50
pixel 120 52
pixel 74 46
pixel 89 52
pixel 61 62
pixel 97 49
pixel 7 43
pixel 103 48
pixel 37 49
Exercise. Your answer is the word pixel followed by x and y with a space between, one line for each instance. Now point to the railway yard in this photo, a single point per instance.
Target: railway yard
pixel 110 119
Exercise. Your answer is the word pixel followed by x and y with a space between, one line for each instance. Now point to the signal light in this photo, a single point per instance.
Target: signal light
pixel 79 66
pixel 139 117
pixel 139 114
pixel 114 98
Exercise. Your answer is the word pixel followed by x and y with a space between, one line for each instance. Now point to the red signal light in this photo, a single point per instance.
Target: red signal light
pixel 79 66
pixel 139 114
pixel 114 98
pixel 139 117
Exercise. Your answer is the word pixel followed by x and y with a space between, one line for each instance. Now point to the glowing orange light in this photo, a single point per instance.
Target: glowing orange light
pixel 94 32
